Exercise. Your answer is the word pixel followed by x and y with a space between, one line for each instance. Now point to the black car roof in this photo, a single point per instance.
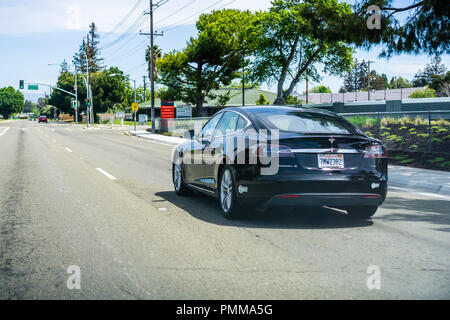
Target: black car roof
pixel 260 109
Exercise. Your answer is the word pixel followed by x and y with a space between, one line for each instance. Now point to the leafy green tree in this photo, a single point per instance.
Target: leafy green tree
pixel 63 101
pixel 399 82
pixel 294 37
pixel 11 102
pixel 110 87
pixel 29 106
pixel 433 68
pixel 441 83
pixel 412 27
pixel 426 93
pixel 262 100
pixel 210 61
pixel 320 89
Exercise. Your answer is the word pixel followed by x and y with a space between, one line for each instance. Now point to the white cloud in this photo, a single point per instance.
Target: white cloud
pixel 73 17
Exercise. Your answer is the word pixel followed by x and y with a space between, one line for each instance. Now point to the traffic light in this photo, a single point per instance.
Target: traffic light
pixel 21 85
pixel 74 104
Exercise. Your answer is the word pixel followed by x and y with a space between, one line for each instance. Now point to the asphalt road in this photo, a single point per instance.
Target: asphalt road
pixel 104 202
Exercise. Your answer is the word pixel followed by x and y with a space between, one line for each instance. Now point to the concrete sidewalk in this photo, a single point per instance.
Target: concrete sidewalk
pixel 406 177
pixel 420 179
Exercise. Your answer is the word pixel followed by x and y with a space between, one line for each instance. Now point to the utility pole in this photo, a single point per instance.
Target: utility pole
pixel 307 89
pixel 152 58
pixel 368 79
pixel 87 83
pixel 76 96
pixel 243 82
pixel 145 88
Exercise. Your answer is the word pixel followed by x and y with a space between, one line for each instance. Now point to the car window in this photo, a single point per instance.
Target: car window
pixel 227 124
pixel 209 127
pixel 306 122
pixel 241 123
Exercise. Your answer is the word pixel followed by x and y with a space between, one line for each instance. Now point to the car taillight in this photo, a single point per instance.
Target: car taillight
pixel 375 151
pixel 268 150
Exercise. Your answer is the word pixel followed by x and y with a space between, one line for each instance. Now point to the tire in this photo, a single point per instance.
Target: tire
pixel 361 212
pixel 179 186
pixel 227 195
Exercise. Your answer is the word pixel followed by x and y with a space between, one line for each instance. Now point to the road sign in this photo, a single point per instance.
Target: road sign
pixel 120 115
pixel 135 106
pixel 184 111
pixel 33 87
pixel 142 119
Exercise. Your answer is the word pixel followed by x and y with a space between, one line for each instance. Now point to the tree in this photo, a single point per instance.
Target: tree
pixel 262 100
pixel 210 61
pixel 320 89
pixel 424 30
pixel 11 102
pixel 294 37
pixel 157 54
pixel 89 50
pixel 110 87
pixel 377 82
pixel 433 68
pixel 356 78
pixel 64 66
pixel 63 101
pixel 399 82
pixel 426 93
pixel 29 106
pixel 441 83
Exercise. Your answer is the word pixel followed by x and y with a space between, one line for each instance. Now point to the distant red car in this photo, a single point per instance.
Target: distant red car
pixel 42 119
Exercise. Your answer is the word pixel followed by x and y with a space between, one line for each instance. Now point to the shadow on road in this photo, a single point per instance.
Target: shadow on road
pixel 207 209
pixel 418 210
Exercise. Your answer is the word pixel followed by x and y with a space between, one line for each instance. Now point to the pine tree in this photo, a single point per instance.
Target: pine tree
pixel 64 66
pixel 95 61
pixel 433 69
pixel 356 78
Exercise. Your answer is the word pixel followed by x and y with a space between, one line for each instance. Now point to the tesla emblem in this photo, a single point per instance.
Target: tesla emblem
pixel 332 140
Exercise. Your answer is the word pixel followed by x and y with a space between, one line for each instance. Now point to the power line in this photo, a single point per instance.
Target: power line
pixel 136 5
pixel 176 11
pixel 179 23
pixel 137 23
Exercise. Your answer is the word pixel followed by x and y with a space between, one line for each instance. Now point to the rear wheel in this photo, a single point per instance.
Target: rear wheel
pixel 227 195
pixel 362 212
pixel 178 183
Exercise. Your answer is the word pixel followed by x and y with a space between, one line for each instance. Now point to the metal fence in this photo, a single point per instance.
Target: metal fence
pixel 425 131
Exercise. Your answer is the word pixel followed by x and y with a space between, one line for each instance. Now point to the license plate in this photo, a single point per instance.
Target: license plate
pixel 331 161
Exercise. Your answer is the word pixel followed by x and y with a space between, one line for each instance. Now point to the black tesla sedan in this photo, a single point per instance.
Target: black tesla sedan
pixel 282 156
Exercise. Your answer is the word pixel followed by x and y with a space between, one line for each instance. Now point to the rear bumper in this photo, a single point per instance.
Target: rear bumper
pixel 324 190
pixel 326 199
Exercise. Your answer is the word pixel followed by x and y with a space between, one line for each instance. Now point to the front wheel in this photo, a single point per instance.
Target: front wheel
pixel 227 195
pixel 178 183
pixel 362 212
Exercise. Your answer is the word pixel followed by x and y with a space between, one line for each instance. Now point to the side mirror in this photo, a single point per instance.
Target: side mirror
pixel 189 134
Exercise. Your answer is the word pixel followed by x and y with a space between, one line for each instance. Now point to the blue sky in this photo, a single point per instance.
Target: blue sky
pixel 34 33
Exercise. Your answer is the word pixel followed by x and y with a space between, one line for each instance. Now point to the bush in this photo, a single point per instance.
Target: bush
pixel 426 93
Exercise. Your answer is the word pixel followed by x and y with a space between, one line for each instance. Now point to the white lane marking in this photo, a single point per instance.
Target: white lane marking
pixel 68 150
pixel 427 194
pixel 106 174
pixel 23 129
pixel 54 141
pixel 53 129
pixel 4 131
pixel 162 209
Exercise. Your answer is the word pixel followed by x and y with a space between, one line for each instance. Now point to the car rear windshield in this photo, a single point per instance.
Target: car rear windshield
pixel 307 122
